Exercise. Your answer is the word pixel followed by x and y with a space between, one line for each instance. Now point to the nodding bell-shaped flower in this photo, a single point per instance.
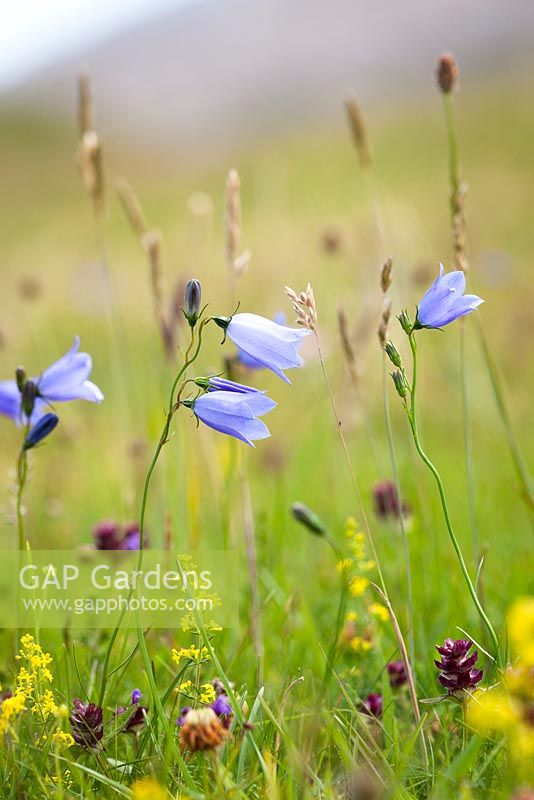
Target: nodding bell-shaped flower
pixel 66 379
pixel 233 410
pixel 268 344
pixel 445 301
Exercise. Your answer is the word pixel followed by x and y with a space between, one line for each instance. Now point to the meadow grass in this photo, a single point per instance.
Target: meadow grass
pixel 307 215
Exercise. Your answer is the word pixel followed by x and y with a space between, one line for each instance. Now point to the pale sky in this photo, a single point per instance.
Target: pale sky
pixel 37 32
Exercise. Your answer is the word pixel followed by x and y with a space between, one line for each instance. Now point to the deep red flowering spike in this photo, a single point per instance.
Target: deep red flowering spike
pixel 86 722
pixel 397 674
pixel 457 670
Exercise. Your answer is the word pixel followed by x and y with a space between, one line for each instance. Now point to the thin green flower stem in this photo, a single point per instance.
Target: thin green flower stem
pixel 411 412
pixel 402 521
pixel 454 182
pixel 22 476
pixel 188 360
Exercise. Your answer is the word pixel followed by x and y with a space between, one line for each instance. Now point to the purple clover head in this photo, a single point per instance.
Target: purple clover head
pixel 107 535
pixel 445 301
pixel 268 344
pixel 66 379
pixel 86 723
pixel 234 413
pixel 397 674
pixel 457 670
pixel 372 705
pixel 386 501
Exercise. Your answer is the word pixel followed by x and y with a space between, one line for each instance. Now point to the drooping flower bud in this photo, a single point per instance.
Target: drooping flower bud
pixel 20 377
pixel 192 300
pixel 40 430
pixel 393 354
pixel 29 393
pixel 401 383
pixel 309 519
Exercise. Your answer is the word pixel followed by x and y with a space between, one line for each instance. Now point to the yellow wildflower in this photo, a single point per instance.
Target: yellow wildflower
pixel 62 739
pixel 521 630
pixel 149 789
pixel 360 645
pixel 358 585
pixel 379 611
pixel 195 654
pixel 207 693
pixel 344 565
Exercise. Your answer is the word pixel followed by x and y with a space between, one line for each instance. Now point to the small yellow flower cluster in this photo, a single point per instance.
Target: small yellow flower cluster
pixel 358 638
pixel 29 687
pixel 149 789
pixel 207 693
pixel 357 561
pixel 507 708
pixel 194 654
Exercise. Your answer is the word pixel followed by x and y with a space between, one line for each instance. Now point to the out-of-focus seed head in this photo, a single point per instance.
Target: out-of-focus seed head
pixel 309 519
pixel 192 300
pixel 385 275
pixel 447 73
pixel 201 729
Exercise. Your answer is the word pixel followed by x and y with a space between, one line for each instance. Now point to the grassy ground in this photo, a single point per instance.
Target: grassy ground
pixel 61 277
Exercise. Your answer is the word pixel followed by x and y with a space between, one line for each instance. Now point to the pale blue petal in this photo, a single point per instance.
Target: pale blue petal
pixel 10 400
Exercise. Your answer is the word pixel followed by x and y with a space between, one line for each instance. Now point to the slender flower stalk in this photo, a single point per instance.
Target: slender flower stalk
pixel 447 74
pixel 412 418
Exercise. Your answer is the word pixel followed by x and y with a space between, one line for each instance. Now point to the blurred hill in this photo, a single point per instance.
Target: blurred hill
pixel 223 71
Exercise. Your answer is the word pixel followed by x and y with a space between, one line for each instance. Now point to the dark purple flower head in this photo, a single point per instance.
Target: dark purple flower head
pixel 86 722
pixel 386 501
pixel 136 696
pixel 397 673
pixel 372 705
pixel 458 672
pixel 107 535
